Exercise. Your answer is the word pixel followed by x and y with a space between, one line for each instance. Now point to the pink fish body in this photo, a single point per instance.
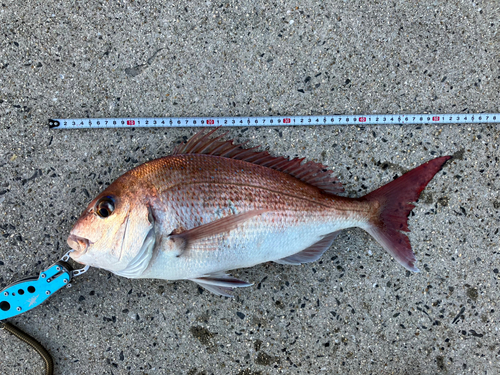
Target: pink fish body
pixel 214 207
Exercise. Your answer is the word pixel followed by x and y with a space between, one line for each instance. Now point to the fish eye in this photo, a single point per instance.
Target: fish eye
pixel 105 207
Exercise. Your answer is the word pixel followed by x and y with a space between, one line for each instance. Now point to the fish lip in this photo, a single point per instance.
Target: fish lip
pixel 79 244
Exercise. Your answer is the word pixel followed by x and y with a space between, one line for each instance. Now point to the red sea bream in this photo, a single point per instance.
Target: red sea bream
pixel 214 206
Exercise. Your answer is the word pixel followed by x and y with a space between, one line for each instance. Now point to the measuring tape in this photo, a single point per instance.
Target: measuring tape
pixel 374 119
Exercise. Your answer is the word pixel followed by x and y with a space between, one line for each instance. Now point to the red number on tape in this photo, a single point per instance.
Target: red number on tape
pixel 130 122
pixel 210 122
pixel 286 121
pixel 362 119
pixel 435 118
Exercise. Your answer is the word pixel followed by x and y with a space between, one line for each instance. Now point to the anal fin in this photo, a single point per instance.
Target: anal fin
pixel 220 283
pixel 312 253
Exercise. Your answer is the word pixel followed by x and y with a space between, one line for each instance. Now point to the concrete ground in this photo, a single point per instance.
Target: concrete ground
pixel 354 312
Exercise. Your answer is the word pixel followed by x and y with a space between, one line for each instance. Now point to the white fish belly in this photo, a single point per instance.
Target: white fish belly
pixel 256 241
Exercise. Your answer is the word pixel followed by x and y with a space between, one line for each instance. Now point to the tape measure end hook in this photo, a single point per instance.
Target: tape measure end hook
pixel 53 123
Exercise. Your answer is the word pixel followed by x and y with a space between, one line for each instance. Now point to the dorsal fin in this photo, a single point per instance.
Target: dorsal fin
pixel 315 174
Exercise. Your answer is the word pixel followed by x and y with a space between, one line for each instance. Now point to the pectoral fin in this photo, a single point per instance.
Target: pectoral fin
pixel 220 283
pixel 312 253
pixel 215 227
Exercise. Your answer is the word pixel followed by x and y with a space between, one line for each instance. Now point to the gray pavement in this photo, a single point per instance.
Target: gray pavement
pixel 354 312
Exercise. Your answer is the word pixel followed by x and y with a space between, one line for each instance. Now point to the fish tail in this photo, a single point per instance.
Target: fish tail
pixel 393 203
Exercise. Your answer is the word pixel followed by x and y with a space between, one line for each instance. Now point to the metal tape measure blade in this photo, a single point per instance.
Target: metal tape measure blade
pixel 361 120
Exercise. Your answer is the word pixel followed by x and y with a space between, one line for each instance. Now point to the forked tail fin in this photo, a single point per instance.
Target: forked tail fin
pixel 394 202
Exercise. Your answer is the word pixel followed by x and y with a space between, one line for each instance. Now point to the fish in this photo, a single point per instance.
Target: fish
pixel 214 206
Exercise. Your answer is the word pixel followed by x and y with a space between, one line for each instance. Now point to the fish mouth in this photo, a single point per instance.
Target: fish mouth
pixel 79 244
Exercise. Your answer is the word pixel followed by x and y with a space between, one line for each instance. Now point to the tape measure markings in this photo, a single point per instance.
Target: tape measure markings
pixel 374 119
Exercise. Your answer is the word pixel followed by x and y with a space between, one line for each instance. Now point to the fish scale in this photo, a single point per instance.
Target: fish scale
pixel 303 214
pixel 165 173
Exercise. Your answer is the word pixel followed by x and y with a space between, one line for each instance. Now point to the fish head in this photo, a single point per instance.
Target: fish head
pixel 115 231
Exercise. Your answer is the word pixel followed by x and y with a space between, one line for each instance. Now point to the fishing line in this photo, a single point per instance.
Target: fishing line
pixel 23 336
pixel 360 120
